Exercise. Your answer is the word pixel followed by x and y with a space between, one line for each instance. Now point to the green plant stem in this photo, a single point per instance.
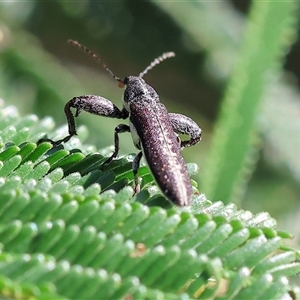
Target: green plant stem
pixel 269 34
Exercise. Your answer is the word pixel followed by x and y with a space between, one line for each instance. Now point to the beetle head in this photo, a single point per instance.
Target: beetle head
pixel 135 87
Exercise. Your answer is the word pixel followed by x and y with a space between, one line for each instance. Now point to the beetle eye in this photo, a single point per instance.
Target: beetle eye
pixel 125 81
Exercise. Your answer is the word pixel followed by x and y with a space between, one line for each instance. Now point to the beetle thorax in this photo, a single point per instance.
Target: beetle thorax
pixel 138 90
pixel 135 87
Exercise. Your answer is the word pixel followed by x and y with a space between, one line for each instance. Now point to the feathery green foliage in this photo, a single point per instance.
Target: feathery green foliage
pixel 270 32
pixel 70 228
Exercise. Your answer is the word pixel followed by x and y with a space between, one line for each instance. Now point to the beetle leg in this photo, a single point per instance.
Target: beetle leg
pixel 184 125
pixel 90 103
pixel 119 129
pixel 135 168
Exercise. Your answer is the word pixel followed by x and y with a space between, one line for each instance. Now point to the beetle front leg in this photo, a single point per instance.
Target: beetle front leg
pixel 184 125
pixel 119 129
pixel 93 104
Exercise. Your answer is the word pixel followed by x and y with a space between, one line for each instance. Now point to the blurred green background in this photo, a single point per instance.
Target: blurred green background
pixel 40 72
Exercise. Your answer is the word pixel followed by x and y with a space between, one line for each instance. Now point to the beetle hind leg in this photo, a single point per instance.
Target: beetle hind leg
pixel 184 125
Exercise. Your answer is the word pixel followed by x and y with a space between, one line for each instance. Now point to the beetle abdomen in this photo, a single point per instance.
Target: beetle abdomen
pixel 161 149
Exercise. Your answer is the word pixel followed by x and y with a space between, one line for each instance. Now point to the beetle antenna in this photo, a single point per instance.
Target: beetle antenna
pixel 91 53
pixel 157 61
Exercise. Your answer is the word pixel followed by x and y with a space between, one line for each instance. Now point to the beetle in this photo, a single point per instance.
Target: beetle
pixel 154 131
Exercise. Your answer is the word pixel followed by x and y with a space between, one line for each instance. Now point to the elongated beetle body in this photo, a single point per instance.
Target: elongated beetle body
pixel 154 131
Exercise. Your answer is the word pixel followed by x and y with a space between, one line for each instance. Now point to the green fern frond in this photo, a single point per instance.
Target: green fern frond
pixel 70 228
